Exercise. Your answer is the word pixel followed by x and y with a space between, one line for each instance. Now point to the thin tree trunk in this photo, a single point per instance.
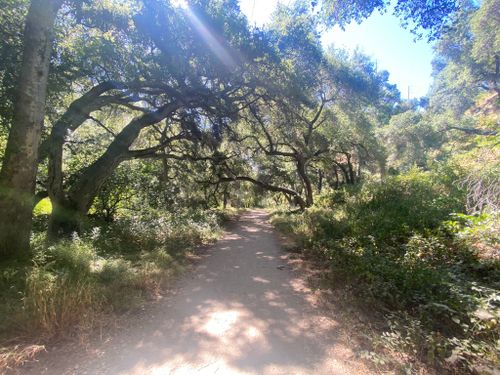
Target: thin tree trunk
pixel 337 183
pixel 320 181
pixel 58 218
pixel 302 171
pixel 352 175
pixel 225 197
pixel 18 174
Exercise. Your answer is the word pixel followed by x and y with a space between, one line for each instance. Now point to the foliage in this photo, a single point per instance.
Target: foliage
pixel 481 174
pixel 11 29
pixel 153 229
pixel 410 140
pixel 396 246
pixel 412 202
pixel 420 14
pixel 44 207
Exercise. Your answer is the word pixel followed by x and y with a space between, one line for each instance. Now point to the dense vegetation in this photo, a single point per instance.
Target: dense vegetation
pixel 128 129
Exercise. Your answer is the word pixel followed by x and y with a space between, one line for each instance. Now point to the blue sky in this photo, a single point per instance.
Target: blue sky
pixel 380 36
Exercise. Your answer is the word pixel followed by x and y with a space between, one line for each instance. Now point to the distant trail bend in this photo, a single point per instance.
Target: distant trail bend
pixel 241 310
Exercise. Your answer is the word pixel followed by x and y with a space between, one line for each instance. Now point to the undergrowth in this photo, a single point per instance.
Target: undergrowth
pixel 398 246
pixel 70 287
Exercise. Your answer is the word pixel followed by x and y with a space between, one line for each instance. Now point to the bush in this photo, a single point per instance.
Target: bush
pixel 75 256
pixel 153 229
pixel 12 286
pixel 393 210
pixel 479 230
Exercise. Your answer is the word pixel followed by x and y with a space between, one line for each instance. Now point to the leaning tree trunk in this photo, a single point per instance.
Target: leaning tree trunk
pixel 18 174
pixel 69 210
pixel 64 218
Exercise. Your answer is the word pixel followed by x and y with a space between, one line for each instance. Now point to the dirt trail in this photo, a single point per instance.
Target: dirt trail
pixel 241 310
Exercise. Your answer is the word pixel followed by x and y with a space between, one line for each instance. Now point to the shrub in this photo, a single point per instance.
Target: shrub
pixel 75 256
pixel 154 229
pixel 481 228
pixel 12 286
pixel 402 205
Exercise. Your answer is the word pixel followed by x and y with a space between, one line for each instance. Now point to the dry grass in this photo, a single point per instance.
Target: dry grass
pixel 54 305
pixel 17 355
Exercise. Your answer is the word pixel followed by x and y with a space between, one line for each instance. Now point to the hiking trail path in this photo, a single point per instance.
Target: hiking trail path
pixel 241 309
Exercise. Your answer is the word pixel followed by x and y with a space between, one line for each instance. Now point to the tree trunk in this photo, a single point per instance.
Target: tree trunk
pixel 18 174
pixel 65 219
pixel 55 182
pixel 337 183
pixel 320 181
pixel 352 174
pixel 77 113
pixel 302 171
pixel 345 173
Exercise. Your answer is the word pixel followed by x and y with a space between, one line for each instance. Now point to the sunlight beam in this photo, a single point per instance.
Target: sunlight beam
pixel 215 46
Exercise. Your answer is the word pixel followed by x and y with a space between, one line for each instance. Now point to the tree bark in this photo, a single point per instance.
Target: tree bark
pixel 18 174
